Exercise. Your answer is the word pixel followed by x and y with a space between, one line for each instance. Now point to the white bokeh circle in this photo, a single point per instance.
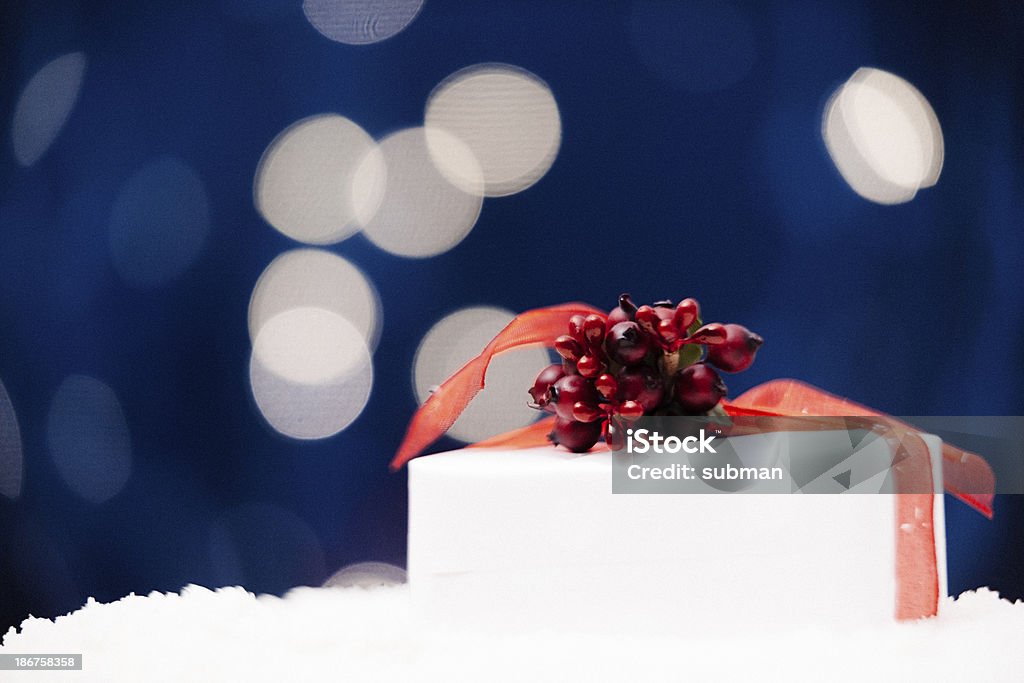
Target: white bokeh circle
pixel 883 136
pixel 406 205
pixel 367 575
pixel 311 372
pixel 303 182
pixel 360 22
pixel 508 119
pixel 320 279
pixel 454 340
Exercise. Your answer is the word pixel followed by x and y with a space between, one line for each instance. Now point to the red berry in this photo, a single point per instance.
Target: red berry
pixel 576 327
pixel 578 437
pixel 737 352
pixel 616 316
pixel 606 385
pixel 698 388
pixel 712 333
pixel 641 384
pixel 630 411
pixel 570 390
pixel 593 329
pixel 568 348
pixel 648 318
pixel 687 311
pixel 541 391
pixel 589 366
pixel 667 331
pixel 627 344
pixel 583 412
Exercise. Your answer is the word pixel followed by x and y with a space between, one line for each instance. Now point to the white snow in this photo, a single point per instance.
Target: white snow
pixel 360 634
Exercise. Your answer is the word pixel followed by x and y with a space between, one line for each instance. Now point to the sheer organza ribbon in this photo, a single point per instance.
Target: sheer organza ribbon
pixel 965 475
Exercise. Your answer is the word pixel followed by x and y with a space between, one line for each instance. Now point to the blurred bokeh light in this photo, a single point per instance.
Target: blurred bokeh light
pixel 45 105
pixel 303 183
pixel 699 46
pixel 360 22
pixel 10 448
pixel 264 544
pixel 883 136
pixel 413 210
pixel 88 438
pixel 366 575
pixel 508 119
pixel 319 279
pixel 451 343
pixel 311 372
pixel 159 223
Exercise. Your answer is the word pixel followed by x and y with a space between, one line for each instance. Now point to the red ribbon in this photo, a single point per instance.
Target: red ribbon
pixel 965 475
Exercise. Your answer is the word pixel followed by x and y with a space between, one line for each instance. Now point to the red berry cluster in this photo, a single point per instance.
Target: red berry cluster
pixel 636 361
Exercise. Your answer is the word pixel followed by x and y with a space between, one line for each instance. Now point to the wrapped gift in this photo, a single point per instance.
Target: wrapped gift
pixel 515 533
pixel 535 538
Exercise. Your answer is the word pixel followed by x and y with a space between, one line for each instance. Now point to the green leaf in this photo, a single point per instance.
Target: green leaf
pixel 689 354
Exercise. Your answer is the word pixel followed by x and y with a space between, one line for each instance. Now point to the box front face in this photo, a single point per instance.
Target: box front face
pixel 535 537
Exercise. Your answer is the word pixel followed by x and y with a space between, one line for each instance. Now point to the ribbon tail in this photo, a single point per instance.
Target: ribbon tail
pixel 965 475
pixel 530 436
pixel 439 412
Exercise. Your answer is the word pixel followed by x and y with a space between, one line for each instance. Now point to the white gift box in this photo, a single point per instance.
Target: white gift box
pixel 520 540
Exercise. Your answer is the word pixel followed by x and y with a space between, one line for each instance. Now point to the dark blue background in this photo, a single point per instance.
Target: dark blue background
pixel 725 195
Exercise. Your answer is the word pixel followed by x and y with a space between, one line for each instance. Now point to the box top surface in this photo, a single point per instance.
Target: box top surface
pixel 542 458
